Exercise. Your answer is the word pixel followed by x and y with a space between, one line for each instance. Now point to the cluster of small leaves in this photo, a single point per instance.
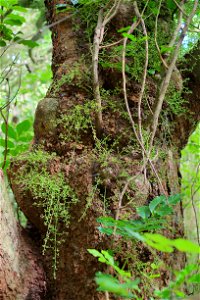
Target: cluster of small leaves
pixel 175 101
pixel 160 206
pixel 11 19
pixel 53 194
pixel 78 120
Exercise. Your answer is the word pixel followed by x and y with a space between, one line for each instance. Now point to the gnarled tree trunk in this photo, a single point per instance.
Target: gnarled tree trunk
pixel 88 165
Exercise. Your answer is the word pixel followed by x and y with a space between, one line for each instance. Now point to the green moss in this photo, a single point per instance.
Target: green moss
pixel 77 121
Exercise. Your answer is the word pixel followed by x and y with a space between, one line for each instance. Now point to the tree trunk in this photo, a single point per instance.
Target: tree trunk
pixel 21 272
pixel 93 167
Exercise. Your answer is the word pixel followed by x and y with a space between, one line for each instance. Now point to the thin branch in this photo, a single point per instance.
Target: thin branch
pixel 112 12
pixel 11 65
pixel 180 8
pixel 98 36
pixel 137 13
pixel 111 45
pixel 167 78
pixel 155 36
pixel 133 27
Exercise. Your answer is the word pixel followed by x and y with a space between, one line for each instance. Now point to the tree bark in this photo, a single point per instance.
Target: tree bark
pixel 21 272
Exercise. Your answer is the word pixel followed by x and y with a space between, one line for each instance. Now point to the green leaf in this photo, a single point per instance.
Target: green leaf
pixel 2 43
pixel 11 131
pixel 174 199
pixel 94 252
pixel 154 203
pixel 14 20
pixel 124 29
pixel 110 284
pixel 158 242
pixel 164 210
pixel 23 126
pixel 9 143
pixel 194 278
pixel 186 246
pixel 25 138
pixel 171 5
pixel 29 43
pixel 165 49
pixel 19 8
pixel 130 36
pixel 8 3
pixel 144 212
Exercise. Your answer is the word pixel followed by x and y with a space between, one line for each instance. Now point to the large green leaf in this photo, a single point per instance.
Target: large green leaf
pixel 186 246
pixel 23 126
pixel 14 20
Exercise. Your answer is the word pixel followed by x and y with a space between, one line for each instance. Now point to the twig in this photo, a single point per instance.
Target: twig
pixel 112 12
pixel 111 45
pixel 130 31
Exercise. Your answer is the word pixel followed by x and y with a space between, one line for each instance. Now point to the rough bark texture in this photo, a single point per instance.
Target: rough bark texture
pixel 21 272
pixel 79 160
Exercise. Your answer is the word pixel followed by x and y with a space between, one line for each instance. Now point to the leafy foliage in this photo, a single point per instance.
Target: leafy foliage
pixel 124 283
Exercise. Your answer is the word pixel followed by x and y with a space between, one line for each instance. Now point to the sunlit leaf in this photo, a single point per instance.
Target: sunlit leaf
pixel 23 126
pixel 186 246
